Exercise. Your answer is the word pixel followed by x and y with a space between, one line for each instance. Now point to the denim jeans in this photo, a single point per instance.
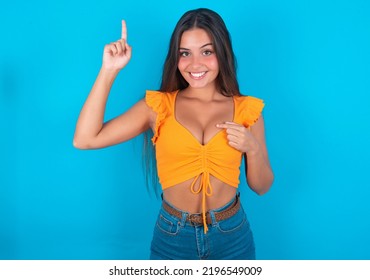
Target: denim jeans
pixel 178 239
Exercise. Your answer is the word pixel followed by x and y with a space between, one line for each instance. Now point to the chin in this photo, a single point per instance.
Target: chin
pixel 198 85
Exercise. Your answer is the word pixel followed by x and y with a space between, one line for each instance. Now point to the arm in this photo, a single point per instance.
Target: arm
pixel 91 132
pixel 252 143
pixel 257 165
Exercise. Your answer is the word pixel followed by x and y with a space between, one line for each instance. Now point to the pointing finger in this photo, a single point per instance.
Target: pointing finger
pixel 228 125
pixel 124 30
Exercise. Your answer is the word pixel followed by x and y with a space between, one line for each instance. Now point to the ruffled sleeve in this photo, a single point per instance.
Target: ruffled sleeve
pixel 154 99
pixel 250 110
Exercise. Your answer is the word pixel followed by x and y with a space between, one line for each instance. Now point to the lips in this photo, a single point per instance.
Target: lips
pixel 197 75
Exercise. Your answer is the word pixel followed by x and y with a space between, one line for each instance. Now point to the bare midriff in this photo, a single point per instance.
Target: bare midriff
pixel 184 199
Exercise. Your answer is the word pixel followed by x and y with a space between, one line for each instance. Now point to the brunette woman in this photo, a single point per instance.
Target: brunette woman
pixel 203 127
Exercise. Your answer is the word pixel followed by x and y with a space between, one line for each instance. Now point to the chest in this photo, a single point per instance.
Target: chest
pixel 200 118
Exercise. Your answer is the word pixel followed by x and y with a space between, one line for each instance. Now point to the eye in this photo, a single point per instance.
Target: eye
pixel 184 54
pixel 207 52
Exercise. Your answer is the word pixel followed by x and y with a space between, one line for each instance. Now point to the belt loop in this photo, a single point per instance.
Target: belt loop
pixel 213 217
pixel 183 218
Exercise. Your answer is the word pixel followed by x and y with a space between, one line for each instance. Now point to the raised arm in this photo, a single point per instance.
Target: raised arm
pixel 91 132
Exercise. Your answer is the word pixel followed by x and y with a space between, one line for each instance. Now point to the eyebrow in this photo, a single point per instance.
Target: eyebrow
pixel 208 44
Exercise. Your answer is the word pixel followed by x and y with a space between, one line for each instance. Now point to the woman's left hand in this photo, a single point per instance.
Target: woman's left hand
pixel 240 138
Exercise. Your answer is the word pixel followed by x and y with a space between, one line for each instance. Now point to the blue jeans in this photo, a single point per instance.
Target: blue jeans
pixel 178 239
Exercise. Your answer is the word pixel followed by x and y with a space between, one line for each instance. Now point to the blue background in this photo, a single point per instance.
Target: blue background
pixel 309 61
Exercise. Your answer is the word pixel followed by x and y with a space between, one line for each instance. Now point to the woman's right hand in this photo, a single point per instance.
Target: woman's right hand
pixel 117 54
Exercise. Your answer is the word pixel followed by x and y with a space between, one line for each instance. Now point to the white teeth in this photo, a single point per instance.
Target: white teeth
pixel 197 75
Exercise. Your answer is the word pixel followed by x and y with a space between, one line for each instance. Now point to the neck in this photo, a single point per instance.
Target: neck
pixel 206 94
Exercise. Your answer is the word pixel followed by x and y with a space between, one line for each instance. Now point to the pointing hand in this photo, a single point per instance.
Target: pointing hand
pixel 117 54
pixel 240 138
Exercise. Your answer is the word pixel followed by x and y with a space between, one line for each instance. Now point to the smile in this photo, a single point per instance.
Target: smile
pixel 197 75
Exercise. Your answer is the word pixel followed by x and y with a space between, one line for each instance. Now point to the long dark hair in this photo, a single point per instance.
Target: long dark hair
pixel 172 80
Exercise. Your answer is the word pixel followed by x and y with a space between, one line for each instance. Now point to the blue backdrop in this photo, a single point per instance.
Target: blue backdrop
pixel 309 61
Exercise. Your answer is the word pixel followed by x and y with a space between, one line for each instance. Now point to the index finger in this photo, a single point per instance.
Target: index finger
pixel 124 30
pixel 228 125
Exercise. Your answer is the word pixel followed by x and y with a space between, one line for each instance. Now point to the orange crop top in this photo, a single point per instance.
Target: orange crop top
pixel 181 157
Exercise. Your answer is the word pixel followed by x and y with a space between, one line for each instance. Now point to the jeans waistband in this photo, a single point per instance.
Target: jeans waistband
pixel 214 215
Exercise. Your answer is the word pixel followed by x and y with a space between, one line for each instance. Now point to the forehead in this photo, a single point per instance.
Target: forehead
pixel 196 37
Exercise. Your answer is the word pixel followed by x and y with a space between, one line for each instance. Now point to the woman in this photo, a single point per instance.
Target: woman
pixel 202 126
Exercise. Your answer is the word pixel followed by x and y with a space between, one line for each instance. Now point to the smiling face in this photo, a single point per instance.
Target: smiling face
pixel 198 63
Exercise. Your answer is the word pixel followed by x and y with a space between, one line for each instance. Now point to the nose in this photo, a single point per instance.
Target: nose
pixel 196 61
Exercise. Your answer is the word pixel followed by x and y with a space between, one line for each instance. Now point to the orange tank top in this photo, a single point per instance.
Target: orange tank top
pixel 181 157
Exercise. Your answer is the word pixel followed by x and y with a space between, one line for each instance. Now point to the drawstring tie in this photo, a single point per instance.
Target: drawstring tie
pixel 206 189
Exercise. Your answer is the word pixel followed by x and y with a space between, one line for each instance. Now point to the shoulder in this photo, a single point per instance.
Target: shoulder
pixel 160 105
pixel 245 100
pixel 248 109
pixel 158 100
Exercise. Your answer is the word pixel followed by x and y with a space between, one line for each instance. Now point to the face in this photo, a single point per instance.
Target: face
pixel 197 60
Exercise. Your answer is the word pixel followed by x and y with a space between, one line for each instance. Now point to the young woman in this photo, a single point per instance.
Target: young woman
pixel 202 127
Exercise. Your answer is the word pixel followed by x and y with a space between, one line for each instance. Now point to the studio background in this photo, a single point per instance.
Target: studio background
pixel 308 60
